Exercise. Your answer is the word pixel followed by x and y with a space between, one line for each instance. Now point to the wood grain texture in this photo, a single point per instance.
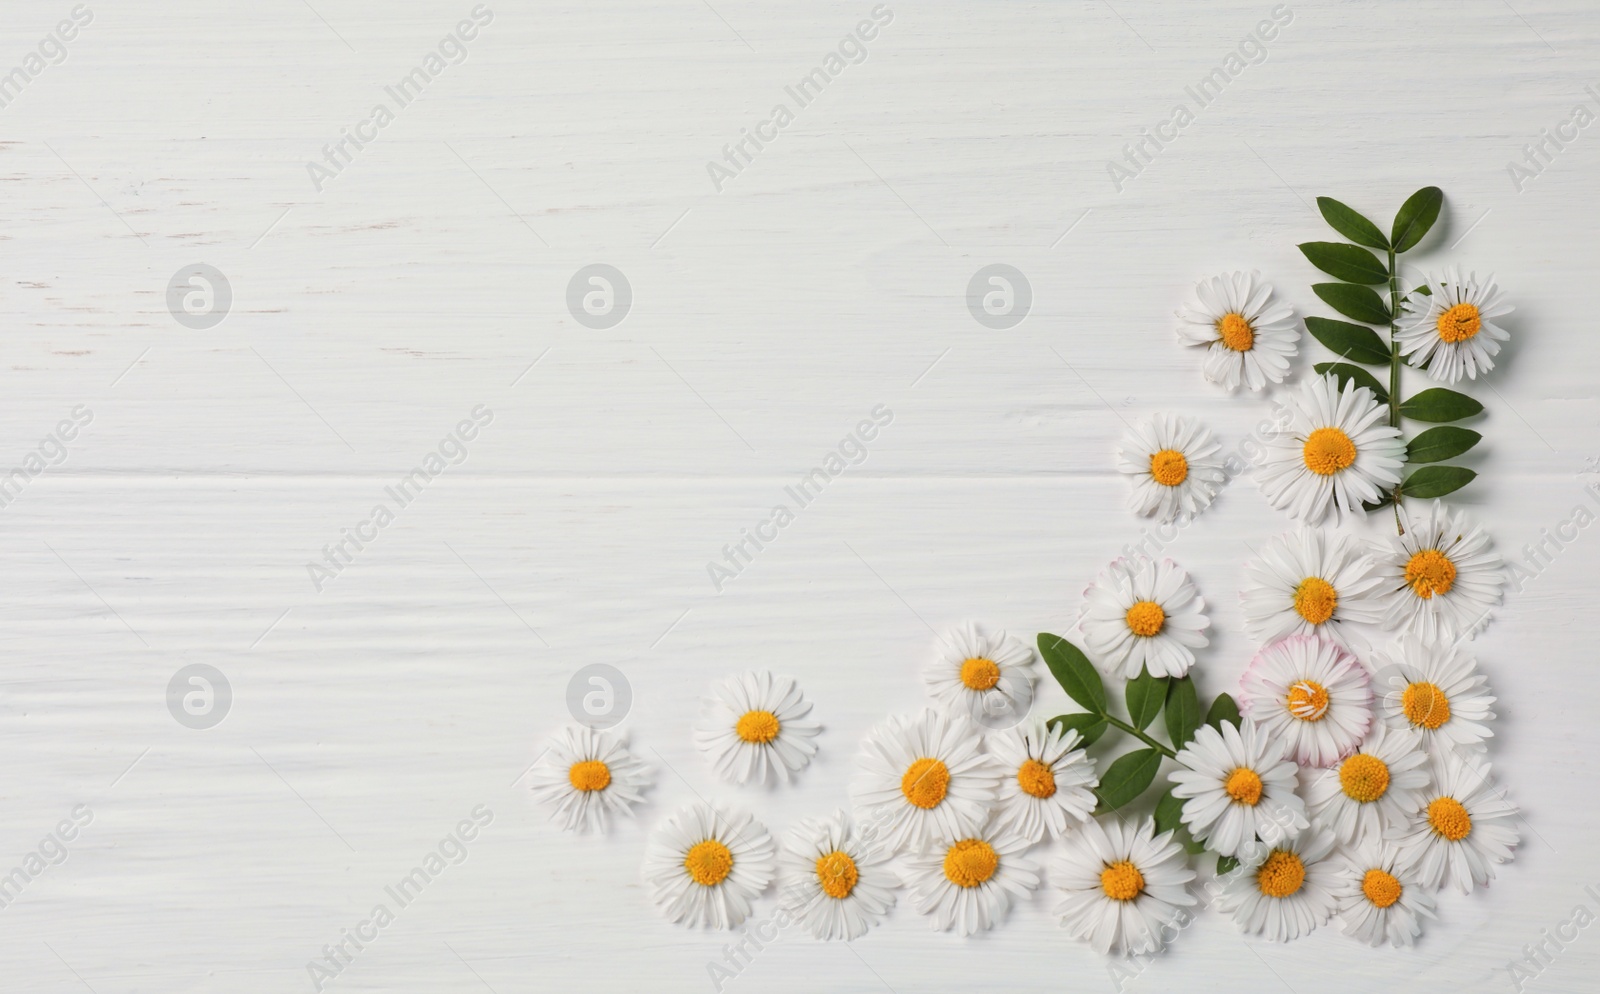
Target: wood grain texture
pixel 827 278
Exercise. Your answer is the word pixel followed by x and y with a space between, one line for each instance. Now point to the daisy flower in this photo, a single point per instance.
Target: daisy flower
pixel 967 883
pixel 1455 334
pixel 1311 582
pixel 1173 463
pixel 1464 830
pixel 838 886
pixel 1124 886
pixel 923 779
pixel 1382 900
pixel 1049 782
pixel 1336 453
pixel 1373 790
pixel 753 728
pixel 1284 891
pixel 704 867
pixel 1311 694
pixel 1248 335
pixel 1237 783
pixel 1441 579
pixel 1435 691
pixel 1139 613
pixel 588 777
pixel 988 678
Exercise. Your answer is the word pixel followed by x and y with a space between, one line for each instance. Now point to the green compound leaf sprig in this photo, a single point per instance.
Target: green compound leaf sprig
pixel 1131 774
pixel 1370 259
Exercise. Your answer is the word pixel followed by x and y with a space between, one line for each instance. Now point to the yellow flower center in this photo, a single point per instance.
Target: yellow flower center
pixel 1122 881
pixel 1146 618
pixel 1281 874
pixel 1169 468
pixel 925 783
pixel 1364 777
pixel 590 774
pixel 979 673
pixel 1460 323
pixel 1315 599
pixel 1425 704
pixel 837 874
pixel 1244 786
pixel 708 862
pixel 1235 331
pixel 1035 779
pixel 1308 700
pixel 1429 573
pixel 970 862
pixel 1328 451
pixel 1447 817
pixel 758 727
pixel 1381 888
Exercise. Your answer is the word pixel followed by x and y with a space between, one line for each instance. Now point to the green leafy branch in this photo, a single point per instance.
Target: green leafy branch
pixel 1132 773
pixel 1359 268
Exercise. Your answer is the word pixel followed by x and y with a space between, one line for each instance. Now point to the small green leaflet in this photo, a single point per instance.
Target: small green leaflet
pixel 1436 481
pixel 1350 263
pixel 1443 442
pixel 1439 404
pixel 1350 224
pixel 1073 671
pixel 1346 372
pixel 1359 303
pixel 1352 341
pixel 1416 216
pixel 1127 777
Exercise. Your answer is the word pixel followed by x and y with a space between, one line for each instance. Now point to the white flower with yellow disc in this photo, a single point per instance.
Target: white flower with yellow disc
pixel 1125 889
pixel 1237 785
pixel 923 779
pixel 1375 789
pixel 1310 694
pixel 753 728
pixel 1283 890
pixel 1049 780
pixel 587 777
pixel 967 883
pixel 1172 463
pixel 1455 333
pixel 838 884
pixel 1441 579
pixel 1311 582
pixel 1463 831
pixel 1382 900
pixel 1142 614
pixel 1337 452
pixel 981 676
pixel 1435 691
pixel 1248 335
pixel 704 867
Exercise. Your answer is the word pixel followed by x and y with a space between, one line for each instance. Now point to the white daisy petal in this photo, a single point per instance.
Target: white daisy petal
pixel 587 777
pixel 1172 463
pixel 1123 886
pixel 1139 613
pixel 1455 333
pixel 753 729
pixel 1335 454
pixel 838 886
pixel 967 882
pixel 704 866
pixel 1441 579
pixel 1310 693
pixel 1049 781
pixel 922 779
pixel 1248 336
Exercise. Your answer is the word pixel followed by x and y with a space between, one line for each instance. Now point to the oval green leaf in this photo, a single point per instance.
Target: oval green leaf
pixel 1183 712
pixel 1351 341
pixel 1360 303
pixel 1439 404
pixel 1169 812
pixel 1223 709
pixel 1342 261
pixel 1345 372
pixel 1443 442
pixel 1416 216
pixel 1226 865
pixel 1127 777
pixel 1350 224
pixel 1145 694
pixel 1074 672
pixel 1436 481
pixel 1090 726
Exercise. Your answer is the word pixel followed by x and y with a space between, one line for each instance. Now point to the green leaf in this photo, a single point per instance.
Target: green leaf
pixel 1424 291
pixel 1223 709
pixel 1350 224
pixel 1352 341
pixel 1073 671
pixel 1346 372
pixel 1145 696
pixel 1183 712
pixel 1226 865
pixel 1350 263
pixel 1379 504
pixel 1436 481
pixel 1127 777
pixel 1416 216
pixel 1169 812
pixel 1443 442
pixel 1359 302
pixel 1090 726
pixel 1440 404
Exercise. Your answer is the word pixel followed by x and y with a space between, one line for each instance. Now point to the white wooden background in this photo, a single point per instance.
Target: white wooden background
pixel 828 278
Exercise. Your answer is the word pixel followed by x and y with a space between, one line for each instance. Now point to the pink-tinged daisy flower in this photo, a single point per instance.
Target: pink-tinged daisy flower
pixel 1310 693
